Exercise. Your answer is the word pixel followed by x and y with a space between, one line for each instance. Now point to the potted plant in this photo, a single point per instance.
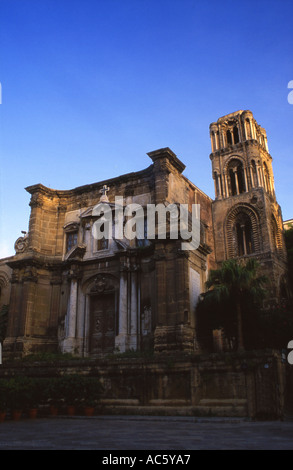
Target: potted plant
pixel 52 395
pixel 18 396
pixel 91 393
pixel 32 397
pixel 70 391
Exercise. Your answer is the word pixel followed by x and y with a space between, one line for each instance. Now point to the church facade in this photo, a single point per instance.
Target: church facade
pixel 73 292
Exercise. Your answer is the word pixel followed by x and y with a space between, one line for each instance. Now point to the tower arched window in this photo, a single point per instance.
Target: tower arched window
pixel 254 174
pixel 236 177
pixel 248 129
pixel 276 235
pixel 229 137
pixel 236 135
pixel 242 231
pixel 243 235
pixel 266 177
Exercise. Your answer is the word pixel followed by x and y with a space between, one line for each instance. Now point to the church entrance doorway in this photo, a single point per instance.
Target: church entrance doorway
pixel 102 324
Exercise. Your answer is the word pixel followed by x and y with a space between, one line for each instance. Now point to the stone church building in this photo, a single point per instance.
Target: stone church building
pixel 74 293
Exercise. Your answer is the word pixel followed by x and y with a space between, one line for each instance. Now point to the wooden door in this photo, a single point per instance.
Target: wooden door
pixel 102 324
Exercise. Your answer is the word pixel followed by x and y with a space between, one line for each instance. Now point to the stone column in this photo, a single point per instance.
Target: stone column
pixel 252 130
pixel 261 181
pixel 271 185
pixel 219 185
pixel 251 176
pixel 70 328
pixel 215 183
pixel 245 179
pixel 72 309
pixel 217 140
pixel 121 341
pixel 236 181
pixel 133 312
pixel 244 240
pixel 226 184
pixel 80 321
pixel 212 142
pixel 232 136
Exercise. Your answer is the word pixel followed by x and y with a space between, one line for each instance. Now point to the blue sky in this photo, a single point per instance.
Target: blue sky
pixel 90 86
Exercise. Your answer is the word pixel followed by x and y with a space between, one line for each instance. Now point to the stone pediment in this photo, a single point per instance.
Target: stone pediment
pixel 76 253
pixel 88 213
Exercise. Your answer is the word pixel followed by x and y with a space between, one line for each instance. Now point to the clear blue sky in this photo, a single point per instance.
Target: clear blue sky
pixel 90 86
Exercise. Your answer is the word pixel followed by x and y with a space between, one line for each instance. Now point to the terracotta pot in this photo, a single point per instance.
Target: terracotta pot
pixel 89 410
pixel 32 413
pixel 71 410
pixel 16 415
pixel 53 410
pixel 2 416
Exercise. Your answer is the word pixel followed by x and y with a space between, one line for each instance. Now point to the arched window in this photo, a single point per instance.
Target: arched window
pixel 276 234
pixel 248 129
pixel 71 240
pixel 236 177
pixel 254 174
pixel 243 234
pixel 71 234
pixel 266 177
pixel 229 137
pixel 236 135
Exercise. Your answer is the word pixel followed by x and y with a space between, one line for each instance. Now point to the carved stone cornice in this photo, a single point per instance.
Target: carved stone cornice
pixel 166 159
pixel 37 201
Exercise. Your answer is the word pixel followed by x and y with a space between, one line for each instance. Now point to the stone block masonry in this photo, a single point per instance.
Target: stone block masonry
pixel 253 385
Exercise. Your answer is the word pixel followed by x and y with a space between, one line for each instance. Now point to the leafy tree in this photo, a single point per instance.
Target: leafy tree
pixel 235 289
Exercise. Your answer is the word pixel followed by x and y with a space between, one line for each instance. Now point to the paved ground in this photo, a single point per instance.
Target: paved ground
pixel 135 433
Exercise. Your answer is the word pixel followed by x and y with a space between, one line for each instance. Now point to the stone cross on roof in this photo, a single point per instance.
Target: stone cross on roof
pixel 103 191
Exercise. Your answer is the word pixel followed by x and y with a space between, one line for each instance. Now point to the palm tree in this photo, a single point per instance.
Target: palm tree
pixel 234 282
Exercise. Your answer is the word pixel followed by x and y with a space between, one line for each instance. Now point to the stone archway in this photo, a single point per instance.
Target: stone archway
pixel 239 215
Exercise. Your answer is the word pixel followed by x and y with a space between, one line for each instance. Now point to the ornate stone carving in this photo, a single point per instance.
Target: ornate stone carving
pixel 21 244
pixel 102 284
pixel 146 321
pixel 36 200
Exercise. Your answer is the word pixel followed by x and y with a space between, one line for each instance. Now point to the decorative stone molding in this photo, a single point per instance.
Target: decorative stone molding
pixel 102 283
pixel 4 279
pixel 30 274
pixel 36 200
pixel 21 244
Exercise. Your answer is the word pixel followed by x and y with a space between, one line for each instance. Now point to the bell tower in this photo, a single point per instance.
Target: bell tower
pixel 246 216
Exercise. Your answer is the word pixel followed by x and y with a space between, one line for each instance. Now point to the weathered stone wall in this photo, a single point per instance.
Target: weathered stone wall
pixel 5 286
pixel 156 279
pixel 253 385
